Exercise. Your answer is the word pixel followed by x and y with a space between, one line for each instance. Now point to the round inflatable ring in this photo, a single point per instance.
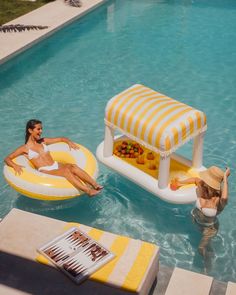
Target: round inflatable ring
pixel 38 185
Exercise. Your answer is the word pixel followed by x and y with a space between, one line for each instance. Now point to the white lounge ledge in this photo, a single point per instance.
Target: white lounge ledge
pixel 184 282
pixel 23 232
pixel 231 288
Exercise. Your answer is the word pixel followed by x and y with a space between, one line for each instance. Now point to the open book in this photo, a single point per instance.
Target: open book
pixel 76 254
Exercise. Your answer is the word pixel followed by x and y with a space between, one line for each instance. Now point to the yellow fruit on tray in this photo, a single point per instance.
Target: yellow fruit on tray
pixel 140 160
pixel 150 156
pixel 152 166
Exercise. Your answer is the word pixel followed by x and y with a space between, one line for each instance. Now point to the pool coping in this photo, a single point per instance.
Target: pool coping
pixel 55 15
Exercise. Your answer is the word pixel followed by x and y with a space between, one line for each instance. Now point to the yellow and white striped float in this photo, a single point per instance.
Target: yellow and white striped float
pixel 160 125
pixel 38 185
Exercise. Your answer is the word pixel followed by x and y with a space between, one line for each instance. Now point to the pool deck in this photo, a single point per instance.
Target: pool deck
pixel 55 15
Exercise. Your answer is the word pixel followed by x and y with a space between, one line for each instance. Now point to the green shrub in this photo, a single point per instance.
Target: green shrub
pixel 10 10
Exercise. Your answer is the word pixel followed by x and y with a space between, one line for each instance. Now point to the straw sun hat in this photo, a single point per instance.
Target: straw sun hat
pixel 213 176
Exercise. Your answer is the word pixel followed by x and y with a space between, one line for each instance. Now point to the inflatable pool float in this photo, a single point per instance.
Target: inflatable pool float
pixel 153 126
pixel 38 185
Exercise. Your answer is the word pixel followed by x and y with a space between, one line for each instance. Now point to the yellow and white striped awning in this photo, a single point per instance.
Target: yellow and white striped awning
pixel 154 120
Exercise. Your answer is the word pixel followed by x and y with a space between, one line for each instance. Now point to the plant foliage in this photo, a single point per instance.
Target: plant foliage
pixel 75 3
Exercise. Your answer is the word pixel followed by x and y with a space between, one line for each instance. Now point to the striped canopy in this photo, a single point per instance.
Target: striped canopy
pixel 154 120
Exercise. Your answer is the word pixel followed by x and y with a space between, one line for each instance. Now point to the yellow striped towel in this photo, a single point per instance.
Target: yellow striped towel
pixel 129 268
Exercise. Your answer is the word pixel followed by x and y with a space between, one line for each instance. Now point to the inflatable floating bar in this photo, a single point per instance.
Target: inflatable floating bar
pixel 38 185
pixel 153 126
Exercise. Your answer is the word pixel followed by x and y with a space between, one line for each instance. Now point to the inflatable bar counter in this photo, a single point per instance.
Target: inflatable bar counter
pixel 152 126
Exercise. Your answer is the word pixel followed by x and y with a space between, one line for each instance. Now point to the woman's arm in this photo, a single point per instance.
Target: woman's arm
pixel 192 180
pixel 224 194
pixel 176 183
pixel 70 143
pixel 8 160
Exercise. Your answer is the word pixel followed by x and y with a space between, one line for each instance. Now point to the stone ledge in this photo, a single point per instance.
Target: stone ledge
pixel 55 15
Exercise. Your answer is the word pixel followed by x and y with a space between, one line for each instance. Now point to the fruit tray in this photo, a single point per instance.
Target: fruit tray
pixel 76 254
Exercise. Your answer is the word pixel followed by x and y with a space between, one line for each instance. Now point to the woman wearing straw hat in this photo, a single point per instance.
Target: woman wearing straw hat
pixel 212 196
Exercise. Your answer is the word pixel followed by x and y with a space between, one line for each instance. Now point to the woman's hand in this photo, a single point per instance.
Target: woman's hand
pixel 18 169
pixel 227 173
pixel 224 195
pixel 174 184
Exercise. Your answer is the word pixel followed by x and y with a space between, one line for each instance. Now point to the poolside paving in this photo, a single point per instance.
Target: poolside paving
pixel 231 289
pixel 55 15
pixel 187 282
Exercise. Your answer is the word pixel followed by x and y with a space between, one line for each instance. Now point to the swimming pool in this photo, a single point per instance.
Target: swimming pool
pixel 185 49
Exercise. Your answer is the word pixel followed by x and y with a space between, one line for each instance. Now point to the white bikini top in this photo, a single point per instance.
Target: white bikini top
pixel 32 154
pixel 209 212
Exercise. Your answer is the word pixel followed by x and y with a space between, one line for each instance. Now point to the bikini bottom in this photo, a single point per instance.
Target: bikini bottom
pixel 203 220
pixel 208 227
pixel 54 166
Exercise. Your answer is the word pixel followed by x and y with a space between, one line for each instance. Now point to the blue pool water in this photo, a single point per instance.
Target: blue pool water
pixel 185 49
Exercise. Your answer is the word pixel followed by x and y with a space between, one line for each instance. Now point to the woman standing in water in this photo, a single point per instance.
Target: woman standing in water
pixel 36 150
pixel 212 197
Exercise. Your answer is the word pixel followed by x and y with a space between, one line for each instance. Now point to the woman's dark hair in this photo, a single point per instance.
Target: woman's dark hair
pixel 30 125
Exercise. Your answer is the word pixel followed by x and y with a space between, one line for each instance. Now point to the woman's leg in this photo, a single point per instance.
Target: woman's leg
pixel 208 232
pixel 84 176
pixel 65 171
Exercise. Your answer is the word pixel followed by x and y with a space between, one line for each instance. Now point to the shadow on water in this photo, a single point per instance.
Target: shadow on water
pixel 120 199
pixel 63 210
pixel 140 210
pixel 121 195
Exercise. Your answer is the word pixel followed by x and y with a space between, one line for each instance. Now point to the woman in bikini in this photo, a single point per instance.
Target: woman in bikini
pixel 212 197
pixel 36 150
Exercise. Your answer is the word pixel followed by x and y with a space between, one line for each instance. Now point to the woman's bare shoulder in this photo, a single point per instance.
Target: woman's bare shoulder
pixel 23 148
pixel 198 181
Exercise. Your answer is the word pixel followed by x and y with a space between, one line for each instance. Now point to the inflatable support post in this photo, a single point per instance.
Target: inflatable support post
pixel 164 170
pixel 108 142
pixel 198 151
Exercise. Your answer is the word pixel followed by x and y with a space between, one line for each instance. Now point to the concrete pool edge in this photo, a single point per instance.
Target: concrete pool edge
pixel 55 15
